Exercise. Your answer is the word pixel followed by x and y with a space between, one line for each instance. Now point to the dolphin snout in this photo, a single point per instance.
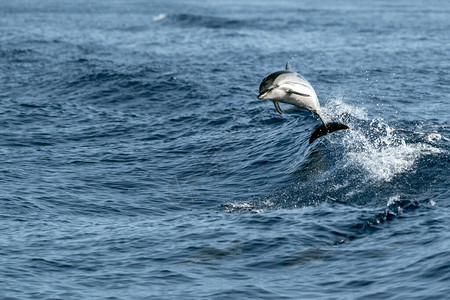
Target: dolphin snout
pixel 261 95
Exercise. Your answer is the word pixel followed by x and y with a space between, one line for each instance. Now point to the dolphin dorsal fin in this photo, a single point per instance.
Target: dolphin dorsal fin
pixel 288 67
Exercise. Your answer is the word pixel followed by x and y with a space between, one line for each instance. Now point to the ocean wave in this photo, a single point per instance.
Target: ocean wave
pixel 346 222
pixel 371 220
pixel 353 166
pixel 200 21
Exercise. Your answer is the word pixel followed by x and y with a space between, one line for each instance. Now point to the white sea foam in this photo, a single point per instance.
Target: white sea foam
pixel 377 148
pixel 392 200
pixel 382 153
pixel 159 17
pixel 254 207
pixel 434 137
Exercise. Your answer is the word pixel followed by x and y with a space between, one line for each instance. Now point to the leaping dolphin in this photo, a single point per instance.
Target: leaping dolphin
pixel 289 87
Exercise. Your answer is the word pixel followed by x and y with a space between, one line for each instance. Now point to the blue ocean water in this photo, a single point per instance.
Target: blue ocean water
pixel 137 163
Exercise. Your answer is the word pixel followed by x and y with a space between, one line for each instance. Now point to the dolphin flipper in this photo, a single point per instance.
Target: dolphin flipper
pixel 325 129
pixel 277 107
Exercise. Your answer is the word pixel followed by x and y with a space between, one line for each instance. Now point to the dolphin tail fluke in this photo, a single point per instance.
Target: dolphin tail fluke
pixel 325 129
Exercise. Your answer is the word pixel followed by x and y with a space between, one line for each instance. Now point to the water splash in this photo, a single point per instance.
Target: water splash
pixel 374 146
pixel 337 107
pixel 382 152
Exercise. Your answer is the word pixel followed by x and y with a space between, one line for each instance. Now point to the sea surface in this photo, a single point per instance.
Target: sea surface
pixel 137 163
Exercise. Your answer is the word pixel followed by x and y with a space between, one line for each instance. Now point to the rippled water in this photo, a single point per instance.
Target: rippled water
pixel 136 161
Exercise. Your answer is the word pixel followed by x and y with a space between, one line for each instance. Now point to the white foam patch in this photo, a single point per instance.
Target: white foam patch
pixel 392 200
pixel 159 17
pixel 382 153
pixel 434 137
pixel 378 149
pixel 249 207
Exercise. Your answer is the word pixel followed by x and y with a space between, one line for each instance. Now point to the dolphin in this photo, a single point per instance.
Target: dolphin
pixel 289 87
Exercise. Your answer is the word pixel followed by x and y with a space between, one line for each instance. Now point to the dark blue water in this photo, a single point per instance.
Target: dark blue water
pixel 137 163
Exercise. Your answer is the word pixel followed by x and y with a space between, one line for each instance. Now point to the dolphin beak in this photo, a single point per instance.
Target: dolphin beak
pixel 261 95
